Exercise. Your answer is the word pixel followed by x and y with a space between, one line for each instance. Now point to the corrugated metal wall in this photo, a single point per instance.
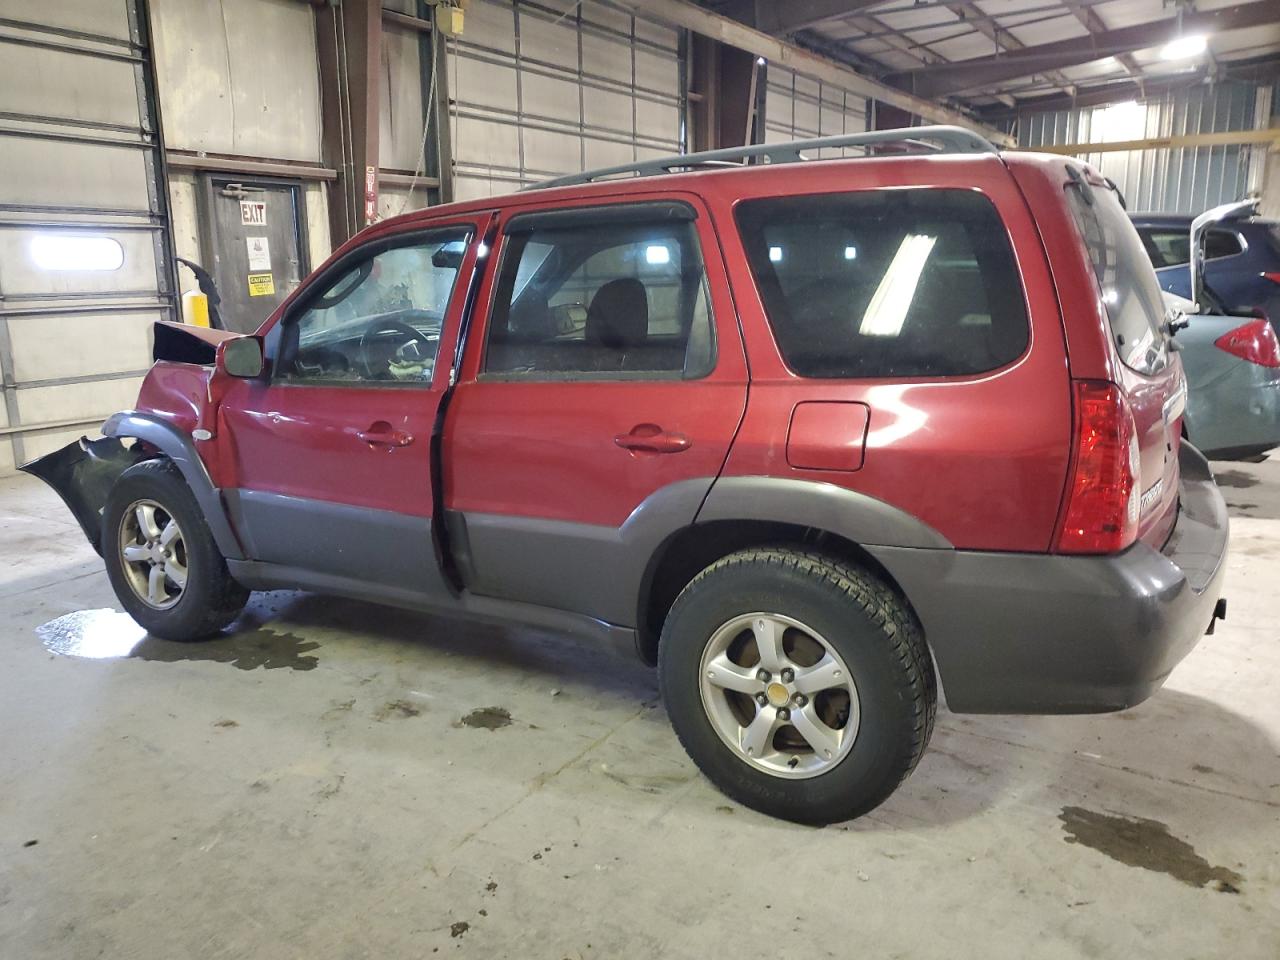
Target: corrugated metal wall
pixel 544 89
pixel 798 107
pixel 1186 180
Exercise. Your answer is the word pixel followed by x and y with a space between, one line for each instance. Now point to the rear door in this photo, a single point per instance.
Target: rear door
pixel 1149 373
pixel 600 391
pixel 331 454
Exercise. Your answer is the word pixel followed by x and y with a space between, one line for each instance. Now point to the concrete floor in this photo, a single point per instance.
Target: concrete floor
pixel 308 787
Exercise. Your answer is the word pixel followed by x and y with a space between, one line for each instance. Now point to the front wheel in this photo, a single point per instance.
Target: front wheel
pixel 799 684
pixel 161 558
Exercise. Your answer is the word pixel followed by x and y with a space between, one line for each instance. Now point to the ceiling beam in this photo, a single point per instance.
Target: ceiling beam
pixel 940 80
pixel 1261 70
pixel 779 19
pixel 1090 20
pixel 681 13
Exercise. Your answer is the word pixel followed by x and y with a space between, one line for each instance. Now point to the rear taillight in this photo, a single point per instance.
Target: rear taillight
pixel 1101 514
pixel 1271 275
pixel 1255 342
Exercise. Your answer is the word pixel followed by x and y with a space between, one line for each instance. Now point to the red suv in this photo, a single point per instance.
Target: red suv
pixel 796 432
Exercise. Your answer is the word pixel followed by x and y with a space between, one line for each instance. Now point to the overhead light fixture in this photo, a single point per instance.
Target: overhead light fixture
pixel 896 291
pixel 1184 47
pixel 775 254
pixel 760 61
pixel 657 254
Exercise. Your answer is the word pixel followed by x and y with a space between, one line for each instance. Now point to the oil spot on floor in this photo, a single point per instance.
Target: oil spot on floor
pixel 487 718
pixel 1137 842
pixel 396 708
pixel 225 723
pixel 1235 478
pixel 106 633
pixel 459 928
pixel 1202 768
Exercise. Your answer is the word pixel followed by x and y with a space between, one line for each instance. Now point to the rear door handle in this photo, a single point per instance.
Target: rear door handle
pixel 381 434
pixel 651 438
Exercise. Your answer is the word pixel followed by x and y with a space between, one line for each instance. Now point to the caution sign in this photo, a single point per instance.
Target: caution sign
pixel 261 285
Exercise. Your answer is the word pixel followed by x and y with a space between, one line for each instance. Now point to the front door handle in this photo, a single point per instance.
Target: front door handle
pixel 381 434
pixel 651 438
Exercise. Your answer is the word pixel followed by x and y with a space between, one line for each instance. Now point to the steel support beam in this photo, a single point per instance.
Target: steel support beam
pixel 349 44
pixel 945 79
pixel 702 21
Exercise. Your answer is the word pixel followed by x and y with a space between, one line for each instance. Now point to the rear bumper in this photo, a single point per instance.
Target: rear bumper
pixel 1039 633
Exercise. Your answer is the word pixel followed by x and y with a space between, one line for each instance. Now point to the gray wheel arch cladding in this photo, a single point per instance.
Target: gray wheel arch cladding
pixel 180 449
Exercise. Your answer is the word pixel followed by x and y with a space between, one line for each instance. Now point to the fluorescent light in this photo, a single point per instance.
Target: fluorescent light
pixel 851 253
pixel 775 254
pixel 760 61
pixel 888 308
pixel 1184 47
pixel 69 251
pixel 657 254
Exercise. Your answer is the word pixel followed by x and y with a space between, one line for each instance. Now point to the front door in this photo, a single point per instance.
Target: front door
pixel 256 252
pixel 596 404
pixel 332 453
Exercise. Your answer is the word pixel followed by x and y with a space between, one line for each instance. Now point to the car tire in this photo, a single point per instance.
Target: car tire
pixel 152 522
pixel 827 621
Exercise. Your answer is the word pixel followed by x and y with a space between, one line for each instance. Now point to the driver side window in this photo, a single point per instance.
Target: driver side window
pixel 379 321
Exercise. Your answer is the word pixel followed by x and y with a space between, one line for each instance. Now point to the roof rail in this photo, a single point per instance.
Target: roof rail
pixel 941 139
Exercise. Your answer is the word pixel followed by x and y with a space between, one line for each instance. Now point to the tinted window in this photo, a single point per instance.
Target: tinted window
pixel 1130 291
pixel 1221 243
pixel 1167 247
pixel 379 320
pixel 886 283
pixel 601 300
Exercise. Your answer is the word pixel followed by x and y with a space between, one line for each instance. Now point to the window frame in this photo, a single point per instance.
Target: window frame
pixel 323 280
pixel 909 378
pixel 639 212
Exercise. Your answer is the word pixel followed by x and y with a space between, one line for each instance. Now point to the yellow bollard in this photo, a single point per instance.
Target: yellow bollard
pixel 195 308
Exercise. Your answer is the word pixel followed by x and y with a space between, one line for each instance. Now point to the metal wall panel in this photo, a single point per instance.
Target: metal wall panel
pixel 239 77
pixel 85 249
pixel 539 91
pixel 1183 180
pixel 400 119
pixel 798 107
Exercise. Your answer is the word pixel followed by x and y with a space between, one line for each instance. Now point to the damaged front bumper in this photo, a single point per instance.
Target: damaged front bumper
pixel 82 474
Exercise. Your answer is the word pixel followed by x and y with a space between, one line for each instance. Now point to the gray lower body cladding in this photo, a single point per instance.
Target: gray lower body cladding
pixel 1044 634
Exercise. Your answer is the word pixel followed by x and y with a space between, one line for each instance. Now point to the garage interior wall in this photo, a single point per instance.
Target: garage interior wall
pixel 84 247
pixel 798 107
pixel 539 91
pixel 238 79
pixel 1182 180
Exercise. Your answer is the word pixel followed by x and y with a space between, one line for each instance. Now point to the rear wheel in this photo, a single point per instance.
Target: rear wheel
pixel 162 561
pixel 799 684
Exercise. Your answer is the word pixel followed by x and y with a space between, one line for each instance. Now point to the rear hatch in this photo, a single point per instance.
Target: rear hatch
pixel 1147 371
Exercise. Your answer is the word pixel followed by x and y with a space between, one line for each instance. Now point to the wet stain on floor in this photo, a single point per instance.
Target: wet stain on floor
pixel 487 718
pixel 396 708
pixel 105 633
pixel 1235 478
pixel 1148 844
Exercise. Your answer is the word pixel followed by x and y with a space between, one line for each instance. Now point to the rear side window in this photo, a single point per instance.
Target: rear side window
pixel 1170 247
pixel 1221 243
pixel 1125 275
pixel 612 299
pixel 886 283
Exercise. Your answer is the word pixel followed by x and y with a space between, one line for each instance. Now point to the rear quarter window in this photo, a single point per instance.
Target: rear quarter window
pixel 886 283
pixel 1126 278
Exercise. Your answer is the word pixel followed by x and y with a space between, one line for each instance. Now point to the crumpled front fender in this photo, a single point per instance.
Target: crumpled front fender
pixel 82 473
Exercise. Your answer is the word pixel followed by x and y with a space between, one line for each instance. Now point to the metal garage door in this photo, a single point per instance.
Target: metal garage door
pixel 799 108
pixel 539 92
pixel 84 253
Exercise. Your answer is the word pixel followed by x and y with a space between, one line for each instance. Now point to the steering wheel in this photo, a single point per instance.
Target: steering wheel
pixel 380 328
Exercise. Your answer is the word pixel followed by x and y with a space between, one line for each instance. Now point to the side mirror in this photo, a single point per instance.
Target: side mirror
pixel 241 357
